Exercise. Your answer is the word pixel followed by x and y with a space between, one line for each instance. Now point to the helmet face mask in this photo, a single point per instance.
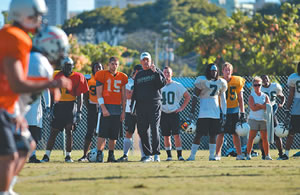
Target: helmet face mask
pixel 67 66
pixel 242 129
pixel 189 127
pixel 27 13
pixel 281 131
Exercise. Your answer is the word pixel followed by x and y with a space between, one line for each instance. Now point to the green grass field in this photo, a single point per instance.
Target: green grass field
pixel 227 176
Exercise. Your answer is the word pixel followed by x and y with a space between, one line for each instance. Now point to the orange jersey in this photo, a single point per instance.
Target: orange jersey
pixel 92 90
pixel 235 86
pixel 14 43
pixel 111 86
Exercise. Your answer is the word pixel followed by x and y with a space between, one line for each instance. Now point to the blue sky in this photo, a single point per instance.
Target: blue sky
pixel 74 5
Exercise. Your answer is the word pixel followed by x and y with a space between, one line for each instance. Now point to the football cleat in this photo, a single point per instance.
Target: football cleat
pixel 124 158
pixel 248 157
pixel 99 157
pixel 83 159
pixel 240 157
pixel 169 158
pixel 191 158
pixel 180 158
pixel 111 159
pixel 68 159
pixel 218 158
pixel 268 157
pixel 284 157
pixel 143 158
pixel 45 159
pixel 148 159
pixel 156 158
pixel 33 159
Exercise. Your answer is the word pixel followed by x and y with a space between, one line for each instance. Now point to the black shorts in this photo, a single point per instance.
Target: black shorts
pixel 92 118
pixel 7 142
pixel 208 126
pixel 110 127
pixel 64 114
pixel 130 122
pixel 231 120
pixel 295 124
pixel 36 133
pixel 169 124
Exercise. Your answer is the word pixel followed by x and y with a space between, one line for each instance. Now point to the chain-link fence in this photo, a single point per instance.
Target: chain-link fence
pixel 187 139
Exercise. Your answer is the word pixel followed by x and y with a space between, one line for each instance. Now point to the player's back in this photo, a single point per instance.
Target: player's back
pixel 294 81
pixel 15 43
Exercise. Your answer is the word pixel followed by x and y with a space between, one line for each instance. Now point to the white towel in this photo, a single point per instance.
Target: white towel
pixel 270 123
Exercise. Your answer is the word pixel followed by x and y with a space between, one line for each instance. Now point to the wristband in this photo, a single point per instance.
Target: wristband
pixel 101 101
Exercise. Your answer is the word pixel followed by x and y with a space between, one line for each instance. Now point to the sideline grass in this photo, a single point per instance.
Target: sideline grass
pixel 227 176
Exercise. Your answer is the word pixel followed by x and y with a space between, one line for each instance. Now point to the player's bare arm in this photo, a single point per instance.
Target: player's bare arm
pixel 196 94
pixel 241 101
pixel 187 98
pixel 99 90
pixel 290 97
pixel 19 84
pixel 123 91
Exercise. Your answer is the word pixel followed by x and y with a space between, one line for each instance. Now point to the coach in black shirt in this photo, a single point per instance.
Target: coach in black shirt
pixel 147 94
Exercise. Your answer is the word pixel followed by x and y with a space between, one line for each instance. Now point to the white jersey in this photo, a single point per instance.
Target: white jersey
pixel 129 86
pixel 272 91
pixel 294 81
pixel 209 96
pixel 39 67
pixel 172 93
pixel 259 115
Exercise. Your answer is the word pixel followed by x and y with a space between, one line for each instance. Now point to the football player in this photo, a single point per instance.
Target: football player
pixel 172 94
pixel 92 107
pixel 273 90
pixel 235 105
pixel 209 88
pixel 50 45
pixel 292 117
pixel 26 16
pixel 110 87
pixel 67 111
pixel 130 118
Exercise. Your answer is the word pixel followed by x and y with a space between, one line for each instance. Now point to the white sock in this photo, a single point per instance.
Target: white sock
pixel 68 153
pixel 212 149
pixel 141 148
pixel 168 148
pixel 33 153
pixel 194 149
pixel 12 183
pixel 287 152
pixel 178 148
pixel 48 152
pixel 126 145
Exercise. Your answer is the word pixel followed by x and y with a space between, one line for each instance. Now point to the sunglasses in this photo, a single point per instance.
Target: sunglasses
pixel 256 85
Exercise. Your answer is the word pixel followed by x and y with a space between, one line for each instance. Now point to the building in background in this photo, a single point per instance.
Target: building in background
pixel 120 3
pixel 2 21
pixel 57 12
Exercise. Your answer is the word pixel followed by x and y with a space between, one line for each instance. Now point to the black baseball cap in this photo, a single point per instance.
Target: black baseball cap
pixel 137 67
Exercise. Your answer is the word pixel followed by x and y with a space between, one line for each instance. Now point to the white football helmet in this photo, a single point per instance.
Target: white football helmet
pixel 281 130
pixel 52 42
pixel 256 139
pixel 242 129
pixel 189 127
pixel 21 11
pixel 92 155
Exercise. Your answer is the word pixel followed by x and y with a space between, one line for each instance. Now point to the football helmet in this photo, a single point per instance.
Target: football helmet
pixel 52 42
pixel 281 130
pixel 256 139
pixel 189 127
pixel 242 129
pixel 21 11
pixel 92 155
